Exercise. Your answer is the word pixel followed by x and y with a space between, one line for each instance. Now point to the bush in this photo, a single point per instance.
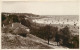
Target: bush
pixel 20 31
pixel 5 30
pixel 75 41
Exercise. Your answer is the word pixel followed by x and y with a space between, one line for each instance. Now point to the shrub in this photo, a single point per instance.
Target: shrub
pixel 75 41
pixel 20 31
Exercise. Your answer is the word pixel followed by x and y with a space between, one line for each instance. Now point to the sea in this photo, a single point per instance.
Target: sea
pixel 58 19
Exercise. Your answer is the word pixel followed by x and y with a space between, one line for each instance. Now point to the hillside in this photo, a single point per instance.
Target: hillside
pixel 26 14
pixel 10 41
pixel 17 32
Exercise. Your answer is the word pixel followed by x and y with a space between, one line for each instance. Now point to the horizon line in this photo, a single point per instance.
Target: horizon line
pixel 33 13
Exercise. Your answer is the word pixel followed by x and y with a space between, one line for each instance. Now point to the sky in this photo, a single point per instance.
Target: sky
pixel 41 8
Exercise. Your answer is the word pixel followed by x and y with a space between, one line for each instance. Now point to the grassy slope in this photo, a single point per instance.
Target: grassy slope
pixel 10 41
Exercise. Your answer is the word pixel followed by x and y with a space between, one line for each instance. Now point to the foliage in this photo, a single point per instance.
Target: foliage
pixel 45 32
pixel 75 42
pixel 25 22
pixel 3 17
pixel 65 35
pixel 15 18
pixel 57 38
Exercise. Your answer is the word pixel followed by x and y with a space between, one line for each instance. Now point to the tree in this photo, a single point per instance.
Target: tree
pixel 47 32
pixel 54 31
pixel 3 17
pixel 26 22
pixel 65 34
pixel 15 18
pixel 56 34
pixel 57 38
pixel 43 32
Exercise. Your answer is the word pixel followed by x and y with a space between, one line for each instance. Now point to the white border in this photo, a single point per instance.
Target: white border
pixel 40 0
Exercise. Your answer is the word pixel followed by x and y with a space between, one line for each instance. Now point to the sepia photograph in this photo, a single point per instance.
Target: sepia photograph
pixel 40 25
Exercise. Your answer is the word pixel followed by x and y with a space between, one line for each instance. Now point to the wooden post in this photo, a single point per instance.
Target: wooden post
pixel 3 26
pixel 12 24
